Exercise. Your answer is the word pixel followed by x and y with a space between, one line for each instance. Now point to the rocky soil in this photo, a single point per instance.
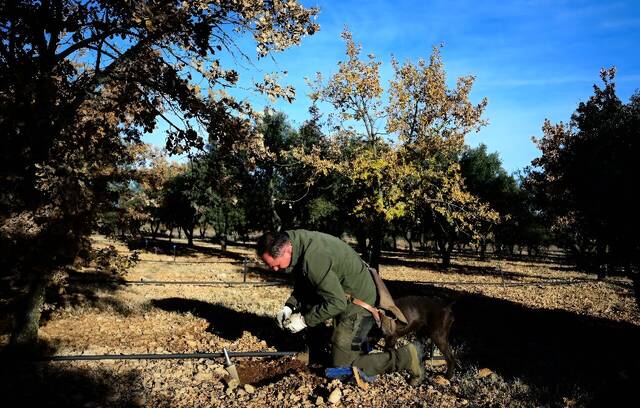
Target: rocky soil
pixel 107 318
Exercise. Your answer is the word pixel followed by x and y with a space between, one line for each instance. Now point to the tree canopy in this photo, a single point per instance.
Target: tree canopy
pixel 80 82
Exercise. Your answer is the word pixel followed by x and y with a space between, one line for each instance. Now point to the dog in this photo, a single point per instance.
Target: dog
pixel 429 318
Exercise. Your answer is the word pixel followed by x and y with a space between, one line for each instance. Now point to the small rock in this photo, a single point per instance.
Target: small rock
pixel 220 372
pixel 232 384
pixel 335 396
pixel 319 401
pixel 203 376
pixel 250 389
pixel 484 372
pixel 440 380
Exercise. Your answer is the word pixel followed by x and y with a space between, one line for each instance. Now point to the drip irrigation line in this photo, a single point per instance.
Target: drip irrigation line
pixel 284 282
pixel 536 283
pixel 206 283
pixel 190 262
pixel 184 356
pixel 200 283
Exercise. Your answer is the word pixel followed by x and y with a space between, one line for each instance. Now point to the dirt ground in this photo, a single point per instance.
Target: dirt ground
pixel 527 333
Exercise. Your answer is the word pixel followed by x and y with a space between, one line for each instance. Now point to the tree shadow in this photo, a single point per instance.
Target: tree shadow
pixel 230 324
pixel 28 382
pixel 546 258
pixel 164 247
pixel 466 270
pixel 83 291
pixel 553 349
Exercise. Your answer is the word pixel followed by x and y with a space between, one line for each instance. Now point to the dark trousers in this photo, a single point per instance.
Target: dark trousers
pixel 349 346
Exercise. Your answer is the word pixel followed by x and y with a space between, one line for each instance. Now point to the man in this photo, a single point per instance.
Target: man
pixel 328 274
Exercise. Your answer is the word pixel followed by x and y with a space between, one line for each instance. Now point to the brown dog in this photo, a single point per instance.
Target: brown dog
pixel 429 318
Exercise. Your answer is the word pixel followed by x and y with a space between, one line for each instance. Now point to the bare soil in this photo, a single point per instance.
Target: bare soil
pixel 528 332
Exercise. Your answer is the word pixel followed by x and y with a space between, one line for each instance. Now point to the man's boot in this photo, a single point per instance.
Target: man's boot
pixel 410 357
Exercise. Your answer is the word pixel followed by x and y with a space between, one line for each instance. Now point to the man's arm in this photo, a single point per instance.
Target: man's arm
pixel 328 287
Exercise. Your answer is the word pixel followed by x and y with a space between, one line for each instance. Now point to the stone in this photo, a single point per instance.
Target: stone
pixel 203 376
pixel 319 401
pixel 440 380
pixel 484 372
pixel 250 389
pixel 335 396
pixel 220 372
pixel 232 384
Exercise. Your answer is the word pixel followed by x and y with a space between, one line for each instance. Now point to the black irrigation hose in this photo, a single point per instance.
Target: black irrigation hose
pixel 206 283
pixel 170 356
pixel 284 282
pixel 537 283
pixel 190 262
pixel 202 283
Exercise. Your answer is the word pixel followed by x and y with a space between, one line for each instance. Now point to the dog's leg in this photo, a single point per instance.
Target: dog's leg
pixel 440 337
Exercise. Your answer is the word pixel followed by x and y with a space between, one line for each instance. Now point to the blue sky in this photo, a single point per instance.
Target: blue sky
pixel 531 59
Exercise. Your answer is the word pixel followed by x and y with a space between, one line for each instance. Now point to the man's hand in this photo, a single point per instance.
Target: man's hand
pixel 283 315
pixel 295 323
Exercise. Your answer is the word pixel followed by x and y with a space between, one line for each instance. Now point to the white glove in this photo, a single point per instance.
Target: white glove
pixel 283 315
pixel 295 323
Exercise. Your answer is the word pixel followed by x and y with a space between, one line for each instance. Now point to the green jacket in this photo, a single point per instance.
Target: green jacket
pixel 325 269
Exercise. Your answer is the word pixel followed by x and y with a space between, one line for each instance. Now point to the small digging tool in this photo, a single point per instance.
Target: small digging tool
pixel 229 366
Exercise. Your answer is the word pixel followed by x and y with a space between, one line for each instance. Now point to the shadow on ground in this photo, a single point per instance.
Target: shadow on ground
pixel 466 270
pixel 166 247
pixel 28 383
pixel 553 349
pixel 230 324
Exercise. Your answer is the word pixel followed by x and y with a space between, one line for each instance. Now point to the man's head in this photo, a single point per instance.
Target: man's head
pixel 275 250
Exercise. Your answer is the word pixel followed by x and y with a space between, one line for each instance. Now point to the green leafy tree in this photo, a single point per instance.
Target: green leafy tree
pixel 583 179
pixel 485 178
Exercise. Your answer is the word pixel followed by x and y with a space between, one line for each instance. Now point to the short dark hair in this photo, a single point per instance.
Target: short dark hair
pixel 272 243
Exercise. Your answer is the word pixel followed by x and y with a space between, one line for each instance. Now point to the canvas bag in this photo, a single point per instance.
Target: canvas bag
pixel 388 322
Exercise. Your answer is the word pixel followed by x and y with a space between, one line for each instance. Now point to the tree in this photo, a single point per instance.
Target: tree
pixel 81 81
pixel 180 202
pixel 416 177
pixel 583 179
pixel 366 162
pixel 485 178
pixel 152 176
pixel 431 122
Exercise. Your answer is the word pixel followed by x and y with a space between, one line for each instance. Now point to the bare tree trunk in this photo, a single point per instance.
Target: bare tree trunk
pixel 445 247
pixel 27 319
pixel 188 233
pixel 409 241
pixel 483 249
